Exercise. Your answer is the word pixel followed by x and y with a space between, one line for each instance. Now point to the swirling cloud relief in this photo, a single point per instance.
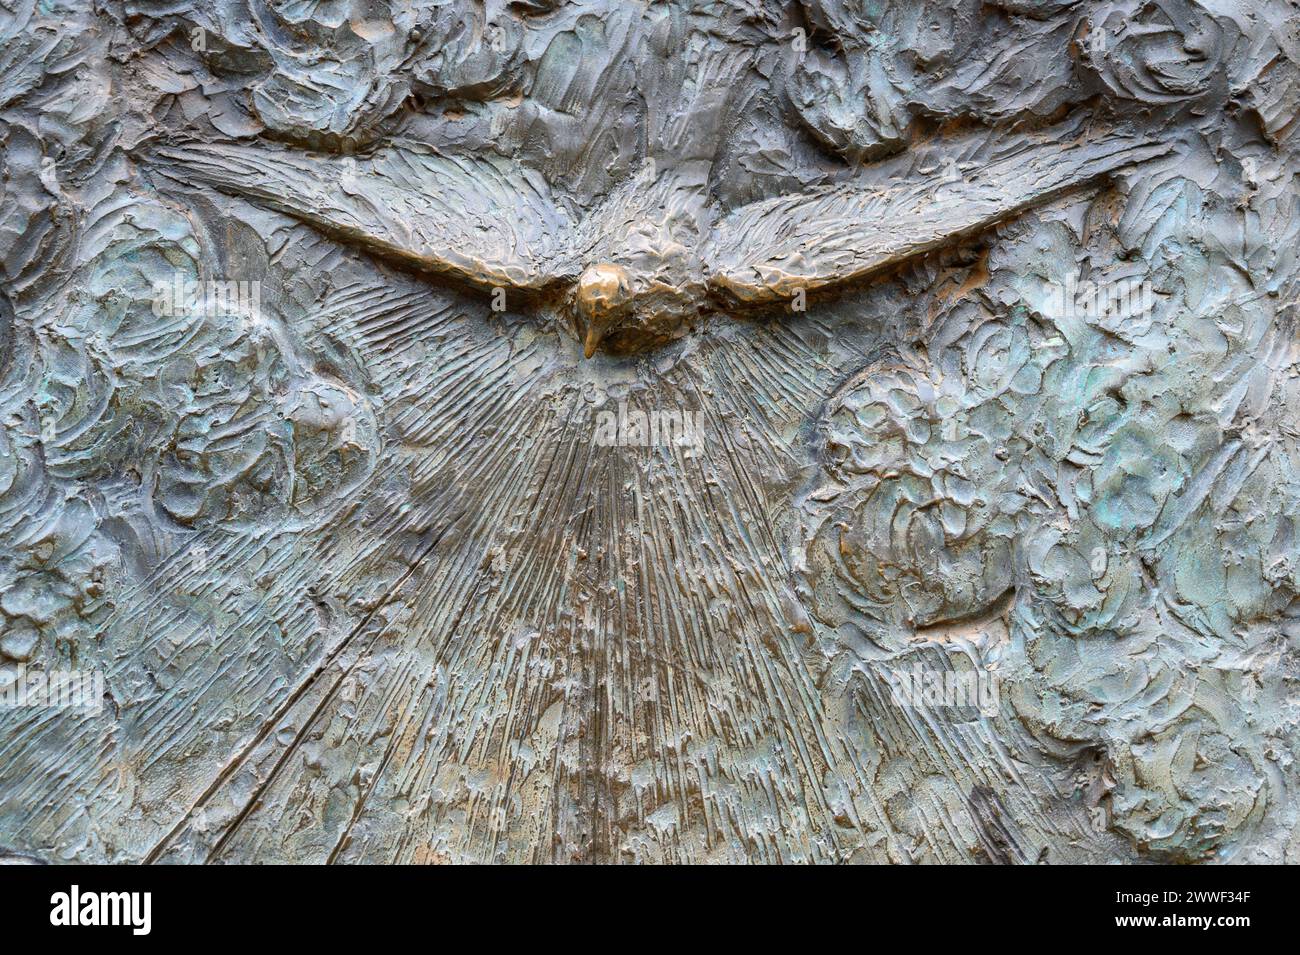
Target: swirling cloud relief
pixel 983 317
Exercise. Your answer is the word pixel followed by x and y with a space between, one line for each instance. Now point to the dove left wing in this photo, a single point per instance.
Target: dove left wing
pixel 485 222
pixel 767 251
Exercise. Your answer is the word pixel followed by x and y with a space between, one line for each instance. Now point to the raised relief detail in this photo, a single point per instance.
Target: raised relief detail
pixel 584 431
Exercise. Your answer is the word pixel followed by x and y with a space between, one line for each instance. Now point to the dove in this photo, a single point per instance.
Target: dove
pixel 656 255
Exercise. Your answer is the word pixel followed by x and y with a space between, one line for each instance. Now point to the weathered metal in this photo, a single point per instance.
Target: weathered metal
pixel 649 432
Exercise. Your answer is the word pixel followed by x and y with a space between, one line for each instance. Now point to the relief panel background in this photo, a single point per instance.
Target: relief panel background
pixel 362 583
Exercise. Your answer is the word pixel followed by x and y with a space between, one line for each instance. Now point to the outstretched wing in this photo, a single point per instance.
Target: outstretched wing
pixel 767 251
pixel 486 222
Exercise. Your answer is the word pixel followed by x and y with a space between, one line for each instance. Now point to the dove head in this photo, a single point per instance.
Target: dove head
pixel 604 294
pixel 628 309
pixel 644 282
pixel 646 299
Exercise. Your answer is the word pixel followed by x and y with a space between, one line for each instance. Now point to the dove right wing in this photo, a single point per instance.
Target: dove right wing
pixel 769 250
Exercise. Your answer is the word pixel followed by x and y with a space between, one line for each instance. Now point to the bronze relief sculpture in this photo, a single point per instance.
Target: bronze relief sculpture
pixel 569 430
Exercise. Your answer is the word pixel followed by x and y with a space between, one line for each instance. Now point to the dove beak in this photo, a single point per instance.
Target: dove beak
pixel 591 343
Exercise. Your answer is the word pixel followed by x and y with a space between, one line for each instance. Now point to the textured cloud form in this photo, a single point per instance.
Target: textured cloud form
pixel 363 583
